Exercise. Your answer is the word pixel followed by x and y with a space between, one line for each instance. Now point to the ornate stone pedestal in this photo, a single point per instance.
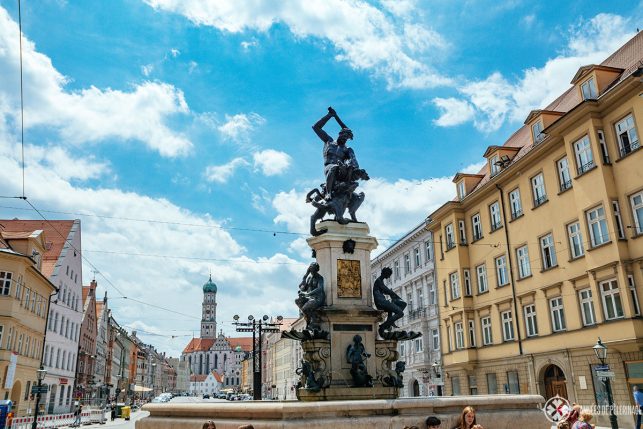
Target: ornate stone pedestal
pixel 344 254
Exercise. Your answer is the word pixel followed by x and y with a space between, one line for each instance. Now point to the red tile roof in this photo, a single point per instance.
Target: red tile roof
pixel 198 378
pixel 198 345
pixel 56 233
pixel 244 342
pixel 218 377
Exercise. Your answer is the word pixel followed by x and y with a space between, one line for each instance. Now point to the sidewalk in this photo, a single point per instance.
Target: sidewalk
pixel 117 422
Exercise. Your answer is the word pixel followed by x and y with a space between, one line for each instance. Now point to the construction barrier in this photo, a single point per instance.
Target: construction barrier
pixel 58 420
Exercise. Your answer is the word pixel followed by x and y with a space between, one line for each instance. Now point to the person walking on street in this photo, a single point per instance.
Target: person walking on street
pixel 77 415
pixel 638 399
pixel 113 411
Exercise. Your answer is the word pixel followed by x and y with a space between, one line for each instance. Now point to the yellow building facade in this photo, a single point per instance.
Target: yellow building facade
pixel 24 300
pixel 541 252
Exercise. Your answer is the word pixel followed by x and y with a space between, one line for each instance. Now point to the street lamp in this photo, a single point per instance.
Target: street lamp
pixel 40 374
pixel 601 353
pixel 257 327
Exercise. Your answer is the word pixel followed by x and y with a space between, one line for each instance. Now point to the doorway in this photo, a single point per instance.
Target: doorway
pixel 416 388
pixel 555 382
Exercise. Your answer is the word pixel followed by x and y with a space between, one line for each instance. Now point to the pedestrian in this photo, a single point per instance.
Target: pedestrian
pixel 638 400
pixel 77 415
pixel 583 420
pixel 573 415
pixel 209 425
pixel 246 427
pixel 433 422
pixel 112 413
pixel 468 419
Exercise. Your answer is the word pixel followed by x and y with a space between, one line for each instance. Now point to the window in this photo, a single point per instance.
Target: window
pixel 432 295
pixel 5 282
pixel 611 300
pixel 530 320
pixel 459 336
pixel 481 271
pixel 603 146
pixel 396 269
pixel 575 240
pixel 455 285
pixel 417 257
pixel 18 287
pixel 492 383
pixel 419 345
pixel 429 250
pixel 637 211
pixel 463 232
pixel 467 282
pixel 1 331
pixel 584 156
pixel 449 338
pixel 409 300
pixel 548 252
pixel 407 264
pixel 618 219
pixel 473 385
pixel 435 336
pixel 476 226
pixel 515 203
pixel 455 385
pixel 627 137
pixel 563 174
pixel 494 163
pixel 420 297
pixel 538 188
pixel 514 384
pixel 494 211
pixel 485 323
pixel 461 190
pixel 448 230
pixel 630 284
pixel 537 132
pixel 588 88
pixel 501 270
pixel 557 314
pixel 507 326
pixel 524 266
pixel 587 307
pixel 597 226
pixel 472 333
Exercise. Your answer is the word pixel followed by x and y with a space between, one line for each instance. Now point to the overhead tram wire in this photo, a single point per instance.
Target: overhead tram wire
pixel 226 228
pixel 22 103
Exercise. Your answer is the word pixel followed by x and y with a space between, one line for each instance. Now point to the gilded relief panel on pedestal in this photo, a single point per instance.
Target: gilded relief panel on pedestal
pixel 349 279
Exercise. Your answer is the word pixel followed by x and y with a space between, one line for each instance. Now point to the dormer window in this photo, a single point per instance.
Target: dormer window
pixel 461 189
pixel 588 89
pixel 537 132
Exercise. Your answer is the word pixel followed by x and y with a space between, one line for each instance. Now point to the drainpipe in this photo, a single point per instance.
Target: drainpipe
pixel 511 270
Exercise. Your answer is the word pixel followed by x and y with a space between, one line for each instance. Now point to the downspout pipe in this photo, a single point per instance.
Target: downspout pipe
pixel 511 270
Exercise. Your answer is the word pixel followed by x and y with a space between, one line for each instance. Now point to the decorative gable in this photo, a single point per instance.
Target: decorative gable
pixel 538 120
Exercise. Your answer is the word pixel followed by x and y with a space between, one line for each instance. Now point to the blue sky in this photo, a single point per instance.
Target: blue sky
pixel 198 114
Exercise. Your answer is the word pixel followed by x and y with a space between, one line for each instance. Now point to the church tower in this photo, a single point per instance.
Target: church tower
pixel 209 310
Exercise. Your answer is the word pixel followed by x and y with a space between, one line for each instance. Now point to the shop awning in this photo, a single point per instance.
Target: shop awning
pixel 141 389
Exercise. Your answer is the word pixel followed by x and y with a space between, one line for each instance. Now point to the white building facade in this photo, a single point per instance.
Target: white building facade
pixel 65 317
pixel 412 259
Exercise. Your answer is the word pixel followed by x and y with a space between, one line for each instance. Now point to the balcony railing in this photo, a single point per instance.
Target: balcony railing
pixel 477 235
pixel 625 149
pixel 496 225
pixel 516 213
pixel 417 313
pixel 540 200
pixel 585 167
pixel 565 185
pixel 450 245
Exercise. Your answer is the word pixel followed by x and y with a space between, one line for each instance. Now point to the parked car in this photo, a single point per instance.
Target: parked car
pixel 206 396
pixel 221 395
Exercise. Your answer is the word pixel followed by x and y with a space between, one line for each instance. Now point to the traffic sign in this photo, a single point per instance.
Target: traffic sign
pixel 604 367
pixel 39 389
pixel 606 374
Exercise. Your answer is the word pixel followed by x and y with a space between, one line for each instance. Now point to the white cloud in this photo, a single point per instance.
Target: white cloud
pixel 364 36
pixel 496 99
pixel 237 128
pixel 474 168
pixel 147 69
pixel 91 114
pixel 175 52
pixel 222 173
pixel 271 162
pixel 246 45
pixel 173 282
pixel 453 111
pixel 63 164
pixel 192 66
